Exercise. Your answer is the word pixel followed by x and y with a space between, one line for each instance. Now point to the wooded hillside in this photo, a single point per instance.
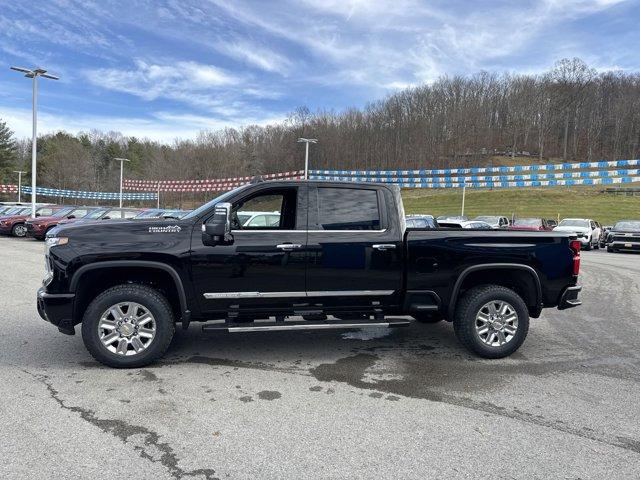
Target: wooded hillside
pixel 571 112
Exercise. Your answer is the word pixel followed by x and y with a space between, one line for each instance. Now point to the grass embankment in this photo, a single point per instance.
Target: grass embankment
pixel 547 202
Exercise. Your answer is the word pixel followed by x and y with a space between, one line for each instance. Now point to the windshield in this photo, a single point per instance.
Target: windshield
pixel 573 222
pixel 62 212
pixel 527 222
pixel 150 213
pixel 628 225
pixel 95 214
pixel 12 211
pixel 203 208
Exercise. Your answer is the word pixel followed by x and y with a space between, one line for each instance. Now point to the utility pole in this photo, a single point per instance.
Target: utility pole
pixel 19 172
pixel 307 141
pixel 121 160
pixel 34 74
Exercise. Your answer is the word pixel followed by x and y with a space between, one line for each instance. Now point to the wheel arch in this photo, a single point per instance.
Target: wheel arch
pixel 530 289
pixel 136 271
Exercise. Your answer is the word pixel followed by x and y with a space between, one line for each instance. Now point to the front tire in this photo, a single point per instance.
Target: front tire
pixel 19 230
pixel 128 326
pixel 492 321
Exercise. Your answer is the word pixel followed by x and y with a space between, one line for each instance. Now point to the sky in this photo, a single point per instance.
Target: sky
pixel 169 69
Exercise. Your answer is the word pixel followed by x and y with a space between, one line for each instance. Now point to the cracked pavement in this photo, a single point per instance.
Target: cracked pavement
pixel 402 403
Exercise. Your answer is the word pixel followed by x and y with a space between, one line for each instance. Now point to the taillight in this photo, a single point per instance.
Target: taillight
pixel 575 246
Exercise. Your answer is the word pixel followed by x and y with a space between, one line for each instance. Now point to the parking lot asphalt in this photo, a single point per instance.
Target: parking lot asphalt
pixel 373 403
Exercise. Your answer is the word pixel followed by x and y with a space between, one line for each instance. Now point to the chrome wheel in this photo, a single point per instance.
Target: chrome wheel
pixel 127 328
pixel 496 323
pixel 19 230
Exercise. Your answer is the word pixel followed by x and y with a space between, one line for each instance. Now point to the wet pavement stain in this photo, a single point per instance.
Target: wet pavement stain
pixel 269 395
pixel 246 399
pixel 148 376
pixel 419 383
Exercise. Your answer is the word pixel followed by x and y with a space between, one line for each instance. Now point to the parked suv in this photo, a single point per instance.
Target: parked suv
pixel 495 221
pixel 103 214
pixel 530 224
pixel 14 225
pixel 588 231
pixel 38 227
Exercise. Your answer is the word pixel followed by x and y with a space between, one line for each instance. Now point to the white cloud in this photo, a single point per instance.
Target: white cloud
pixel 255 55
pixel 160 126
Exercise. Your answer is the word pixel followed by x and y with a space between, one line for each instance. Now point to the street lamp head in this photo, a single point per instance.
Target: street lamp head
pixel 121 159
pixel 21 69
pixel 36 72
pixel 307 140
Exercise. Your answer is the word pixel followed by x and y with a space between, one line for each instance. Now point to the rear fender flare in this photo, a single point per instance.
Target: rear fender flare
pixel 493 266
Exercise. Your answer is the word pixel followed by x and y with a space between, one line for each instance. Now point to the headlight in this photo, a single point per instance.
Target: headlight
pixel 55 241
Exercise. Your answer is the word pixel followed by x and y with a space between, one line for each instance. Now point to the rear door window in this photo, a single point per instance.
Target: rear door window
pixel 348 209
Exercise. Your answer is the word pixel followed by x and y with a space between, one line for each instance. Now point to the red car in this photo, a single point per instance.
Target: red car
pixel 13 221
pixel 531 224
pixel 38 227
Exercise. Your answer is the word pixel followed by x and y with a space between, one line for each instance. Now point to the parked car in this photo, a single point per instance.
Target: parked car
pixel 530 224
pixel 421 221
pixel 6 208
pixel 496 221
pixel 452 217
pixel 38 227
pixel 104 213
pixel 588 231
pixel 258 219
pixel 14 224
pixel 602 242
pixel 161 213
pixel 465 224
pixel 625 235
pixel 350 254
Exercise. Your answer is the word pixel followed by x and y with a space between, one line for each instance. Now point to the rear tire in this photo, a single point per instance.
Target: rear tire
pixel 131 304
pixel 505 332
pixel 587 246
pixel 427 317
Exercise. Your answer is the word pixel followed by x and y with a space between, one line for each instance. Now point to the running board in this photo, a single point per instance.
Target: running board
pixel 329 325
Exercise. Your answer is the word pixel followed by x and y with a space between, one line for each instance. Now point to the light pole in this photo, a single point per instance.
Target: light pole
pixel 464 192
pixel 19 172
pixel 307 141
pixel 34 74
pixel 121 160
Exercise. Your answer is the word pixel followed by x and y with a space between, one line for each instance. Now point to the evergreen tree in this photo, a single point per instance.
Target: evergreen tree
pixel 7 149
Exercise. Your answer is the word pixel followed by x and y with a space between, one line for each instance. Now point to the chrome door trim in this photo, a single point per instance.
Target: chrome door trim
pixel 321 293
pixel 216 295
pixel 349 293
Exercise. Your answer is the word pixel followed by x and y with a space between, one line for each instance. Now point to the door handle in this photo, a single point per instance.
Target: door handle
pixel 287 247
pixel 384 246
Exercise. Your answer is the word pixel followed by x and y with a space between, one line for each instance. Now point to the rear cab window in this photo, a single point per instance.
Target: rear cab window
pixel 342 209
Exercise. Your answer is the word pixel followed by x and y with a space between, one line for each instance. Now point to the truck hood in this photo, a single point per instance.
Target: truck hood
pixel 118 230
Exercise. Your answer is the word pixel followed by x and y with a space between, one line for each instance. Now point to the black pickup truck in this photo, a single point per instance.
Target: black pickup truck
pixel 338 249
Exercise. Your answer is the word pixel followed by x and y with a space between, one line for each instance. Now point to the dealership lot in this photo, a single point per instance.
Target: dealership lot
pixel 404 403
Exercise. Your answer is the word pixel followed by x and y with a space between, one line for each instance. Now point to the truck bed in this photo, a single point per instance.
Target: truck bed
pixel 439 260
